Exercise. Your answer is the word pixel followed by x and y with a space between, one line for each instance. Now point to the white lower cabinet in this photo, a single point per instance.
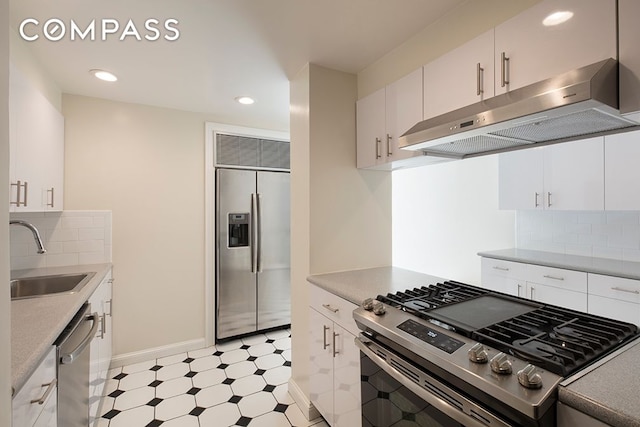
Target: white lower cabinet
pixel 565 288
pixel 615 297
pixel 36 402
pixel 607 296
pixel 101 346
pixel 334 359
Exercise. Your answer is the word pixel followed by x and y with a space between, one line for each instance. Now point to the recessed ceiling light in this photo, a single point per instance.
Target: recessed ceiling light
pixel 557 18
pixel 104 75
pixel 246 100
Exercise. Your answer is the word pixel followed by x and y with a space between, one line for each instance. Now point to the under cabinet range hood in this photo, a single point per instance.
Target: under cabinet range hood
pixel 576 104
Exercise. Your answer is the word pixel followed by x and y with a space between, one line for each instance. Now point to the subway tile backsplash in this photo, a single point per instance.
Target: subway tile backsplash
pixel 614 235
pixel 70 237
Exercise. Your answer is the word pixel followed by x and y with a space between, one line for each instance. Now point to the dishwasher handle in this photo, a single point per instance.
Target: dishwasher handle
pixel 67 359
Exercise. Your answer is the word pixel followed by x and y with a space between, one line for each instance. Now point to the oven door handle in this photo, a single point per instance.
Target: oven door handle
pixel 432 399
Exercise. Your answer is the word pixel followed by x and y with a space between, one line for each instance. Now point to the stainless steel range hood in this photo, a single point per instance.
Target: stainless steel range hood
pixel 573 105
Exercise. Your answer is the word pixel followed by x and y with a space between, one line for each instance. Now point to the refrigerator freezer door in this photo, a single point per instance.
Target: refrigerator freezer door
pixel 236 283
pixel 274 301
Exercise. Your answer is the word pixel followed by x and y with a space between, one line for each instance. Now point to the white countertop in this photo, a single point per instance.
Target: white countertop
pixel 37 322
pixel 357 285
pixel 606 266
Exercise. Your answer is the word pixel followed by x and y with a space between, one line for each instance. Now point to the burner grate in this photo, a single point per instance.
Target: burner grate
pixel 557 339
pixel 419 301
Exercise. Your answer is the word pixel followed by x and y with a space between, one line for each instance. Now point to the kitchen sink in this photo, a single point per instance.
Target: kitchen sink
pixel 40 286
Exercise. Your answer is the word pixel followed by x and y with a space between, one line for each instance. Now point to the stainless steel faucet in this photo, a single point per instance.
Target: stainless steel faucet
pixel 34 230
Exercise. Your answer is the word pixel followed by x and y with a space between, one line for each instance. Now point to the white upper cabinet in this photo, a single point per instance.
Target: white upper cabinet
pixel 574 175
pixel 36 130
pixel 534 52
pixel 460 77
pixel 567 176
pixel 621 171
pixel 383 117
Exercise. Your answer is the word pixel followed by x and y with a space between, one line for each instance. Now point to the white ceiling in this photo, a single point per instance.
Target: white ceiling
pixel 226 48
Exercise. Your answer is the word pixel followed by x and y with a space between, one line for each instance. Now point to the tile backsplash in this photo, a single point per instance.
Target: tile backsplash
pixel 70 237
pixel 614 235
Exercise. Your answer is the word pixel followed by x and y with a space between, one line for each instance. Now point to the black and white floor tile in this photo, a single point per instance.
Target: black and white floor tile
pixel 237 383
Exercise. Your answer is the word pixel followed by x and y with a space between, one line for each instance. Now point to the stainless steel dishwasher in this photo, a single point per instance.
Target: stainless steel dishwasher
pixel 73 368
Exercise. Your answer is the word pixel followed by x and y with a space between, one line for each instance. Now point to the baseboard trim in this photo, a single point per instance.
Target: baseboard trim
pixel 305 405
pixel 154 353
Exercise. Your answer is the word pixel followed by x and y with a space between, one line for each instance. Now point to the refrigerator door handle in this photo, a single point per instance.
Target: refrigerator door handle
pixel 258 234
pixel 254 232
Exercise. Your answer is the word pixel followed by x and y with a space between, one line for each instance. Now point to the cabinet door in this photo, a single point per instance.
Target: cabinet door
pixel 460 77
pixel 370 127
pixel 347 380
pixel 520 179
pixel 574 175
pixel 614 309
pixel 403 110
pixel 557 296
pixel 537 52
pixel 321 364
pixel 621 172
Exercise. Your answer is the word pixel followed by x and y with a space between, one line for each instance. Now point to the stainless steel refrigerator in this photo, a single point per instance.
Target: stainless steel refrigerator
pixel 252 252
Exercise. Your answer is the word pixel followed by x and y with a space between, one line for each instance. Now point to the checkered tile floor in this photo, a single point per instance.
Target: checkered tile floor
pixel 237 383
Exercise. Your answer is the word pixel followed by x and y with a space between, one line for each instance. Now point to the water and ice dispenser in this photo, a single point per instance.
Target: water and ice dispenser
pixel 238 230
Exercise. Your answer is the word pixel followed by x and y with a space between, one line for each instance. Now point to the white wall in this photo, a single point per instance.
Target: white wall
pixel 340 216
pixel 444 214
pixel 5 301
pixel 145 164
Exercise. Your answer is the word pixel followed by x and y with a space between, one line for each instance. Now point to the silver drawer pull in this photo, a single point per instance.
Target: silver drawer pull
pixel 495 267
pixel 331 309
pixel 47 392
pixel 631 291
pixel 553 277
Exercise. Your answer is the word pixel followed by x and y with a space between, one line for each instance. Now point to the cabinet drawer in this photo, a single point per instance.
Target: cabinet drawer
pixel 25 413
pixel 558 277
pixel 333 307
pixel 510 269
pixel 614 309
pixel 615 287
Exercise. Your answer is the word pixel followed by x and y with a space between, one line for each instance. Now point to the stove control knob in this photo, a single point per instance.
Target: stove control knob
pixel 368 304
pixel 378 308
pixel 478 353
pixel 500 364
pixel 529 377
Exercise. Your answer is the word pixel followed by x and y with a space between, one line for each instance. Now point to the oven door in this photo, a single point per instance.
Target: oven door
pixel 395 392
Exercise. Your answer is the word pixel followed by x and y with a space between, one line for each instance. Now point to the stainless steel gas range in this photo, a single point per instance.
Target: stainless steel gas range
pixel 452 354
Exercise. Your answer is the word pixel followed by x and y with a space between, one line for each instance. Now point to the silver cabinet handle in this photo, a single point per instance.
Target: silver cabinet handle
pixel 325 344
pixel 69 358
pixel 335 352
pixel 331 309
pixel 548 199
pixel 110 302
pixel 631 291
pixel 21 199
pixel 51 190
pixel 503 70
pixel 479 75
pixel 546 276
pixel 47 392
pixel 536 204
pixel 389 151
pixel 103 325
pixel 519 287
pixel 378 141
pixel 495 267
pixel 531 292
